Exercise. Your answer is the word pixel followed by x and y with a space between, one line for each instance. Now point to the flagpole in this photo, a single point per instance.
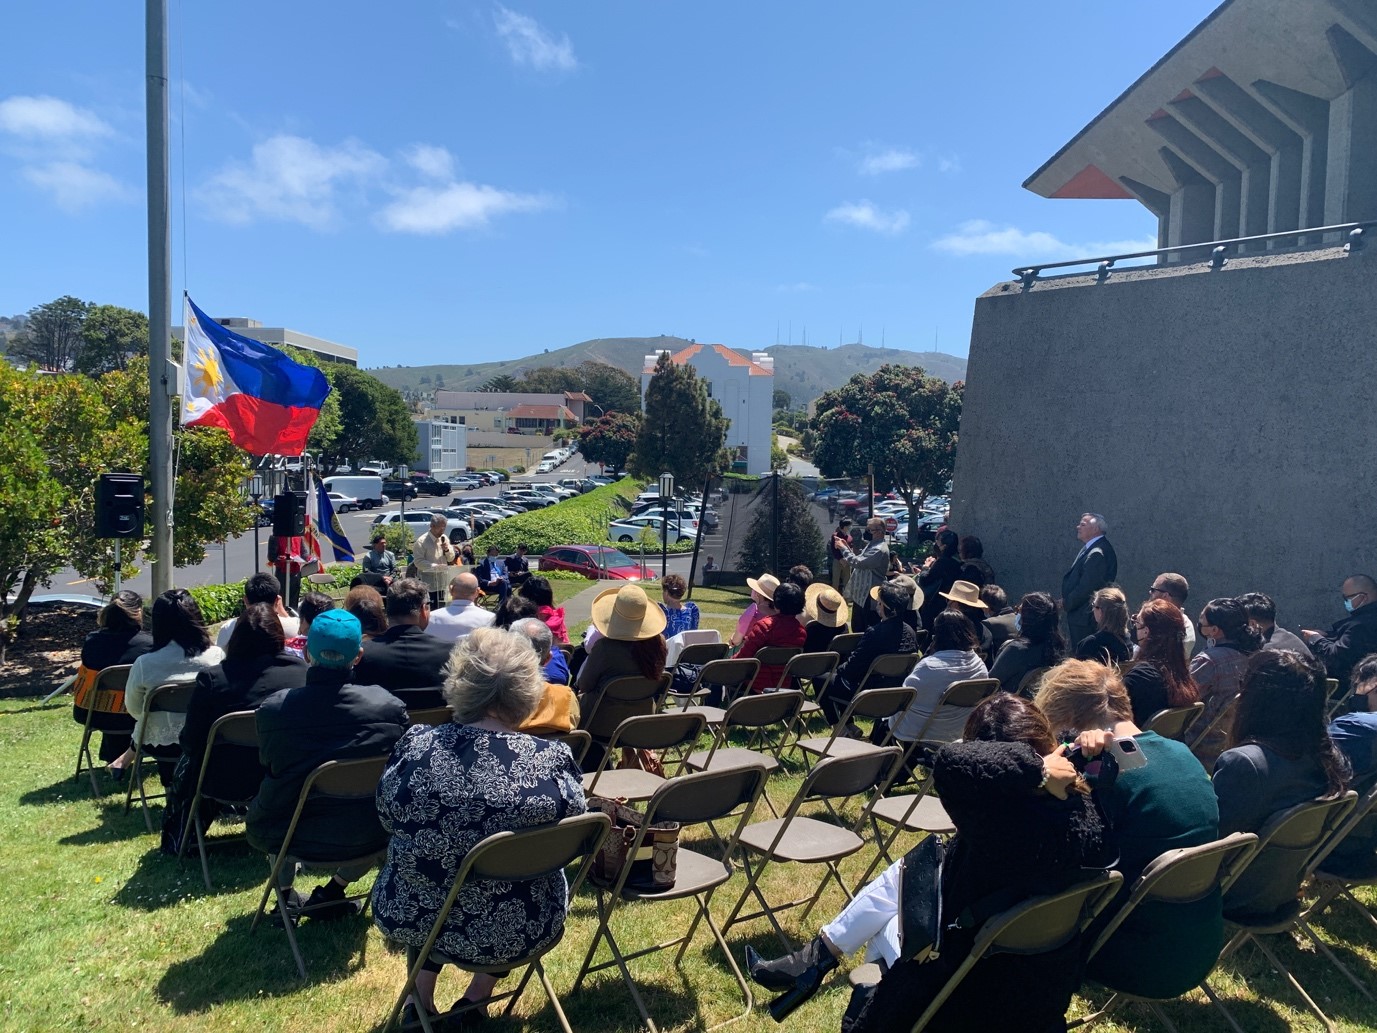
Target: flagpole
pixel 159 293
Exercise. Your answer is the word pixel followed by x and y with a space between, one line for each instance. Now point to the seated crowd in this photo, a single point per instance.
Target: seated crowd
pixel 330 683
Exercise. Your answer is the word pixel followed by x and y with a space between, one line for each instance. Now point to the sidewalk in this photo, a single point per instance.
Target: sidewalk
pixel 578 609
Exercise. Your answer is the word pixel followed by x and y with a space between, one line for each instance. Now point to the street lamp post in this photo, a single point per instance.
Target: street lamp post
pixel 255 490
pixel 666 492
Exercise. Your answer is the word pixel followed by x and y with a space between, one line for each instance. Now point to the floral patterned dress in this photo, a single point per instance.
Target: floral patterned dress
pixel 685 618
pixel 445 789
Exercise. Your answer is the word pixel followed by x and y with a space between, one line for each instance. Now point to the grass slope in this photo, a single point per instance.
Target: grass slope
pixel 804 371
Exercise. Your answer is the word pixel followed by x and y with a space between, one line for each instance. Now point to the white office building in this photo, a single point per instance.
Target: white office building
pixel 743 386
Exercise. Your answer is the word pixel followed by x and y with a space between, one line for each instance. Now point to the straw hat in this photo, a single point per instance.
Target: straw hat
pixel 765 586
pixel 903 581
pixel 626 613
pixel 824 604
pixel 966 593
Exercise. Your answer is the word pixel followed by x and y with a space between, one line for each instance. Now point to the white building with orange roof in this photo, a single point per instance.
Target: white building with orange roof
pixel 744 387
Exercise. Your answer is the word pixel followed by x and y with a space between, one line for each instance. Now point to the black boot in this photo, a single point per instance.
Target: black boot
pixel 783 973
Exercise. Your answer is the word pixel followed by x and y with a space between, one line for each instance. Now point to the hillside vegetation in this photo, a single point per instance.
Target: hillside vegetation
pixel 802 370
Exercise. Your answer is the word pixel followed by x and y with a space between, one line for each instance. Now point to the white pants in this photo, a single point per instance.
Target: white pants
pixel 871 920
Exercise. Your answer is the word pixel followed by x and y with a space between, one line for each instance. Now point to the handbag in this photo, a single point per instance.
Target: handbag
pixel 655 863
pixel 920 901
pixel 641 760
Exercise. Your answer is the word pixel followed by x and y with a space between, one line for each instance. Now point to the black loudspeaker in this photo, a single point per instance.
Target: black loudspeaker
pixel 119 505
pixel 289 514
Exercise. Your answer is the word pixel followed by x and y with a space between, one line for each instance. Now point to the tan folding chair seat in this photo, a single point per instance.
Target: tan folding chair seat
pixel 435 717
pixel 109 678
pixel 238 728
pixel 802 839
pixel 169 698
pixel 1330 886
pixel 1182 876
pixel 1036 926
pixel 734 676
pixel 653 732
pixel 699 798
pixel 355 779
pixel 1269 886
pixel 1174 722
pixel 756 711
pixel 876 704
pixel 619 699
pixel 516 857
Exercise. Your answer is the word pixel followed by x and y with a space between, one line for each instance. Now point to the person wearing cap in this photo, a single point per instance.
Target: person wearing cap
pixel 404 659
pixel 867 569
pixel 779 625
pixel 629 643
pixel 890 634
pixel 380 561
pixel 964 597
pixel 330 717
pixel 825 614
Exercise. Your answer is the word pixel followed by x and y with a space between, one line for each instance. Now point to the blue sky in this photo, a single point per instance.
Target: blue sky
pixel 457 182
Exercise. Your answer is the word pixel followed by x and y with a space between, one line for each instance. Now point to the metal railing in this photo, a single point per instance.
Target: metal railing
pixel 1219 250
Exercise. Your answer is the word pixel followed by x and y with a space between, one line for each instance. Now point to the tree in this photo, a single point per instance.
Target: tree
pixel 375 422
pixel 610 439
pixel 683 431
pixel 781 399
pixel 501 383
pixel 111 336
pixel 613 389
pixel 800 541
pixel 51 338
pixel 898 419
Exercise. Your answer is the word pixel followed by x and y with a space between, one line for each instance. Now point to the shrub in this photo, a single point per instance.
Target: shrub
pixel 581 520
pixel 219 602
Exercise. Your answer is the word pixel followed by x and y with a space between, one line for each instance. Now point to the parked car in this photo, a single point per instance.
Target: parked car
pixel 497 475
pixel 595 562
pixel 687 510
pixel 926 531
pixel 545 466
pixel 630 529
pixel 343 503
pixel 399 490
pixel 418 521
pixel 488 506
pixel 476 519
pixel 575 484
pixel 430 486
pixel 265 512
pixel 554 491
pixel 527 499
pixel 465 483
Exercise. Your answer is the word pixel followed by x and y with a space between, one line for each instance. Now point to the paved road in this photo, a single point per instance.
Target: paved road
pixel 234 560
pixel 798 467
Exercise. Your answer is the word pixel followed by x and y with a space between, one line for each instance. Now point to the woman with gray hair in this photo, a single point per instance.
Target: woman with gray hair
pixel 446 788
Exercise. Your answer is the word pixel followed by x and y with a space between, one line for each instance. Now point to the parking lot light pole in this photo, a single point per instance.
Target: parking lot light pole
pixel 666 493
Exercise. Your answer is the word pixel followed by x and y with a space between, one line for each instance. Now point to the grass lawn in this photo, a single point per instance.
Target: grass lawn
pixel 99 931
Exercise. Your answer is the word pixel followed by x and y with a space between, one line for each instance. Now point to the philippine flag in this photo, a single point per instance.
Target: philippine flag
pixel 266 402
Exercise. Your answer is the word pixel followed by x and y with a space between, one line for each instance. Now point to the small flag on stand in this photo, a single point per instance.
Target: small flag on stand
pixel 321 521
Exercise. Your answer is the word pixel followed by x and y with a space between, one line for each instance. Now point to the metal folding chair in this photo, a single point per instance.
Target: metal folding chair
pixel 433 716
pixel 516 857
pixel 578 742
pixel 877 704
pixel 755 712
pixel 886 671
pixel 1028 684
pixel 621 698
pixel 1336 700
pixel 805 840
pixel 1263 900
pixel 1176 877
pixel 1174 722
pixel 810 672
pixel 776 656
pixel 169 698
pixel 109 679
pixel 734 677
pixel 654 732
pixel 844 643
pixel 335 780
pixel 1036 926
pixel 694 799
pixel 234 729
pixel 703 653
pixel 1221 720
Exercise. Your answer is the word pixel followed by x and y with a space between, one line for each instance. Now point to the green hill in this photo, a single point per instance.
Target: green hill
pixel 802 370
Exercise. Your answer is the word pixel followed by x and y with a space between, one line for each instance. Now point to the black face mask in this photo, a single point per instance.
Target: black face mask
pixel 865 536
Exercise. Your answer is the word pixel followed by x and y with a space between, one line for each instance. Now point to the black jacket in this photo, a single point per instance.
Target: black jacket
pixel 1012 842
pixel 1101 646
pixel 108 647
pixel 938 578
pixel 891 635
pixel 405 658
pixel 328 718
pixel 1348 641
pixel 1001 629
pixel 229 686
pixel 1094 568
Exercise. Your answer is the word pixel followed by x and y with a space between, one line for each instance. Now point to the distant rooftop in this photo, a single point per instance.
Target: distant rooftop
pixel 760 364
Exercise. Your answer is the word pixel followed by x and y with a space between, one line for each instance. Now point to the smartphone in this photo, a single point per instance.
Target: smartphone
pixel 1127 753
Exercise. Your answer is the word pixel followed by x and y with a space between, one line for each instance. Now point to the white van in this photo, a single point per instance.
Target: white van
pixel 368 490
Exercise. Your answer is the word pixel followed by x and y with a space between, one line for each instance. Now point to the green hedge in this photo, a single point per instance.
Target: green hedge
pixel 577 521
pixel 219 602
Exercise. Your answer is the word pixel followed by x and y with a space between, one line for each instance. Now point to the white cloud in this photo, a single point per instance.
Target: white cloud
pixel 802 287
pixel 49 118
pixel 950 164
pixel 75 186
pixel 891 159
pixel 864 215
pixel 432 210
pixel 291 179
pixel 529 44
pixel 431 161
pixel 981 237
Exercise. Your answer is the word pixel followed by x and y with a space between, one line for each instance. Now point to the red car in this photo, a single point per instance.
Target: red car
pixel 595 562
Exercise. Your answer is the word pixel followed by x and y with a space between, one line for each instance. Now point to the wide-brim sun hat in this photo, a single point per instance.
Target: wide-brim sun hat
pixel 765 585
pixel 967 593
pixel 904 581
pixel 824 604
pixel 627 614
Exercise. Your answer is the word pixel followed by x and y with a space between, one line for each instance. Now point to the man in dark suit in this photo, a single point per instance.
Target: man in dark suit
pixel 492 575
pixel 1095 566
pixel 890 634
pixel 404 660
pixel 1000 621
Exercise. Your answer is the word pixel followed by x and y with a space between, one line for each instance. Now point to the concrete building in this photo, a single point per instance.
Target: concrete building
pixel 744 387
pixel 277 336
pixel 441 446
pixel 1214 410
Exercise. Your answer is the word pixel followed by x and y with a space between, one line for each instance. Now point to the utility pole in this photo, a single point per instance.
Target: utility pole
pixel 159 293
